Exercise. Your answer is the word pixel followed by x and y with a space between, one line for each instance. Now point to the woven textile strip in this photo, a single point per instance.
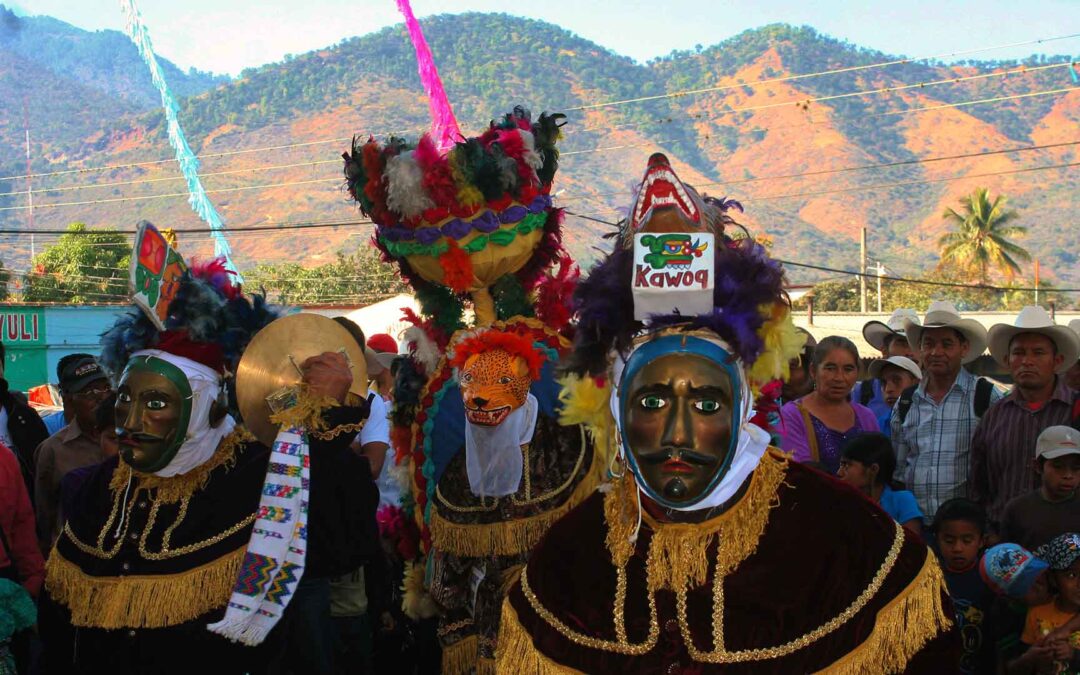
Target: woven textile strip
pixel 274 561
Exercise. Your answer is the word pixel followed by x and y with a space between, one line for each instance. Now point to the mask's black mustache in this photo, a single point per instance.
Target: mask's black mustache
pixel 685 454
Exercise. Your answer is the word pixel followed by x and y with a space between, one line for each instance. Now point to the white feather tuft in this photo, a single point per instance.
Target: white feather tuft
pixel 424 350
pixel 405 193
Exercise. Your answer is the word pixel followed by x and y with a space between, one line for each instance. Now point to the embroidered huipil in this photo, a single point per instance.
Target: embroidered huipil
pixel 933 444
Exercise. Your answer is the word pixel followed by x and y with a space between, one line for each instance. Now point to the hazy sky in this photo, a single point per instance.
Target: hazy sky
pixel 226 36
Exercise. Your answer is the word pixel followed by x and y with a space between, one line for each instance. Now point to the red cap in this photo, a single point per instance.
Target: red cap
pixel 208 354
pixel 381 342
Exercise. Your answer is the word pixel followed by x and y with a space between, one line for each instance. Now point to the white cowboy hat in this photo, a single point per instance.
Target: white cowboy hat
pixel 943 314
pixel 1034 320
pixel 878 365
pixel 1075 326
pixel 875 332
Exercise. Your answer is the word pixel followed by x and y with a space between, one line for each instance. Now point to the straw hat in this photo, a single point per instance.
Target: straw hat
pixel 875 332
pixel 1034 320
pixel 943 314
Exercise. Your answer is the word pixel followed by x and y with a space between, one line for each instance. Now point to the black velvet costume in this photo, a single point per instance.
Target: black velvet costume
pixel 133 605
pixel 820 549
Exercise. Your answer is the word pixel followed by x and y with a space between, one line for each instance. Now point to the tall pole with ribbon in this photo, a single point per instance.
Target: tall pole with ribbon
pixel 189 163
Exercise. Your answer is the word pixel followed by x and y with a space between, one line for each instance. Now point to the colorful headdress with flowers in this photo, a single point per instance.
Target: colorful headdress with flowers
pixel 462 217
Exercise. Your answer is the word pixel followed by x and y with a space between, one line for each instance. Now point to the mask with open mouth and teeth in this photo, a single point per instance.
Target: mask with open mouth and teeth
pixel 495 370
pixel 664 204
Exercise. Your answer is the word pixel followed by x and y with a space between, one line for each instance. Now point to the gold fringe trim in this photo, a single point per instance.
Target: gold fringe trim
pixel 461 657
pixel 306 413
pixel 678 552
pixel 508 537
pixel 175 488
pixel 146 601
pixel 486 667
pixel 901 628
pixel 516 652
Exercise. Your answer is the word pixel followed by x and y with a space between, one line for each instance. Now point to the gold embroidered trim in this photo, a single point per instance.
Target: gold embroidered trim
pixel 508 537
pixel 516 652
pixel 174 488
pixel 680 550
pixel 355 428
pixel 165 491
pixel 721 655
pixel 460 658
pixel 485 666
pixel 141 601
pixel 902 627
pixel 620 645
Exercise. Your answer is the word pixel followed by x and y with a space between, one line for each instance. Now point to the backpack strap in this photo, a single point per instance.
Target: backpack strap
pixel 811 437
pixel 904 404
pixel 866 391
pixel 983 389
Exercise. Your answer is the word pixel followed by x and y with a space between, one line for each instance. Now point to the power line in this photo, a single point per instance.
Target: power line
pixel 788 78
pixel 908 280
pixel 303 225
pixel 563 154
pixel 863 167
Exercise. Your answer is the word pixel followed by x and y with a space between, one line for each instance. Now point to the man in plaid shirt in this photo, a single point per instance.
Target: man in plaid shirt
pixel 933 441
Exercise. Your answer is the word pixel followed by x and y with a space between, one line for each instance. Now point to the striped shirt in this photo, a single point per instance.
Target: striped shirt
pixel 1004 446
pixel 933 444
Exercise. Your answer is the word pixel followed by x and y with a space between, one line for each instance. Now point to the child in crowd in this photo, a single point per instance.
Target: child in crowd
pixel 1034 519
pixel 959 530
pixel 1020 581
pixel 867 463
pixel 896 373
pixel 1050 651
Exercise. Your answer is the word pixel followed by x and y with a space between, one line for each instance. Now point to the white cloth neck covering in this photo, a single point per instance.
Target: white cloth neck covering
pixel 200 439
pixel 752 443
pixel 493 458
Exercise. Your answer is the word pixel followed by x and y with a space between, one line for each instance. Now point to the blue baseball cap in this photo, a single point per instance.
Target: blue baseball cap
pixel 1010 569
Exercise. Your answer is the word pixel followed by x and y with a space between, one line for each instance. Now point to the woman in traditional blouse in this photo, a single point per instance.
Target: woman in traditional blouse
pixel 816 426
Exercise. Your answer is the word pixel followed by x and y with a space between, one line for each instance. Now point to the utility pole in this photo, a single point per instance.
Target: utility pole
pixel 29 180
pixel 880 271
pixel 1036 281
pixel 862 270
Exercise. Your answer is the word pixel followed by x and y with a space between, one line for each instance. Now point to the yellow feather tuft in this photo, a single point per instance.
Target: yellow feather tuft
pixel 782 343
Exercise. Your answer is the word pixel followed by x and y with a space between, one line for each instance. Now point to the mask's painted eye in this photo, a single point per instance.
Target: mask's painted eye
pixel 156 404
pixel 652 402
pixel 505 380
pixel 466 377
pixel 123 397
pixel 707 405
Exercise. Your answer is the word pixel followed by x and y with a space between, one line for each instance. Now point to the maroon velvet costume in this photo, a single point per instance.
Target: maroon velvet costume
pixel 821 547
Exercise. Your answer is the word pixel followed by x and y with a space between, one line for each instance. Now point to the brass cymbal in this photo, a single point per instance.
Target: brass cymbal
pixel 271 365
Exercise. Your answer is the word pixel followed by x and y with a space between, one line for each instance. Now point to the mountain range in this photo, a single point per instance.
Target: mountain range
pixel 759 127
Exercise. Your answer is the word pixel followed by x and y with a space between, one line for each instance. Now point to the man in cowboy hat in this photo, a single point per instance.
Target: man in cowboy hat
pixel 934 423
pixel 1072 375
pixel 1037 353
pixel 890 340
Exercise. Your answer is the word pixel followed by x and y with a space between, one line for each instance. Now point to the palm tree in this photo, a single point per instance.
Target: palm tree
pixel 981 239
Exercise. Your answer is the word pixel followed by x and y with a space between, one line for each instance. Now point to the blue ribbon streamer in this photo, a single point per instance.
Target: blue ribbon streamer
pixel 189 163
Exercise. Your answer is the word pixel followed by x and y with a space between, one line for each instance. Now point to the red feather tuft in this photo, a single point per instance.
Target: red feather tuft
pixel 555 294
pixel 178 343
pixel 489 340
pixel 457 268
pixel 375 189
pixel 217 274
pixel 438 181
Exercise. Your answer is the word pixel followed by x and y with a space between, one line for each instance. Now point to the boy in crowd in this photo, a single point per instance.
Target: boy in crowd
pixel 959 530
pixel 896 374
pixel 1034 519
pixel 1050 652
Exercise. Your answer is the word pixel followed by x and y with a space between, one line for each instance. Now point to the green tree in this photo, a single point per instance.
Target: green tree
pixel 981 240
pixel 359 277
pixel 5 277
pixel 83 265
